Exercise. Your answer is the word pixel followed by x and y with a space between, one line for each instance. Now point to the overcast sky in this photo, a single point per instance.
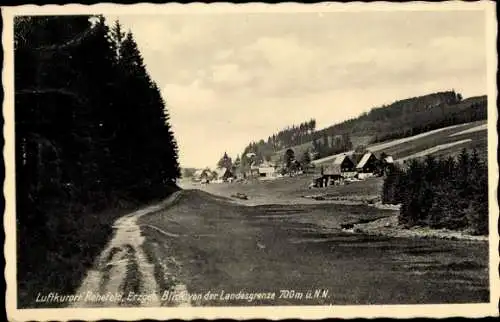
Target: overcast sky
pixel 230 78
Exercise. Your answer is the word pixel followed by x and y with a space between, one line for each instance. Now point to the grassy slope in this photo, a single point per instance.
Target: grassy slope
pixel 478 140
pixel 408 146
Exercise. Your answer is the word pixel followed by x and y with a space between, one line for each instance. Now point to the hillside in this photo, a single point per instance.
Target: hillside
pixel 446 141
pixel 400 119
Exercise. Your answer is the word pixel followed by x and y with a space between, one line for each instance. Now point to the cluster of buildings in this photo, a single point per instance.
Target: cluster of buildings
pixel 219 175
pixel 344 168
pixel 262 171
pixel 265 170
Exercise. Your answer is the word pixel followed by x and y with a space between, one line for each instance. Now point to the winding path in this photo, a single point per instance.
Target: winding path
pixel 124 268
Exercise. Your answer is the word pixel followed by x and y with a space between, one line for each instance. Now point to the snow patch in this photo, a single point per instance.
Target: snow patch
pixel 383 146
pixel 482 127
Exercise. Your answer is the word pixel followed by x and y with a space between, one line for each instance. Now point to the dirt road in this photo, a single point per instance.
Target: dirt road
pixel 200 249
pixel 123 274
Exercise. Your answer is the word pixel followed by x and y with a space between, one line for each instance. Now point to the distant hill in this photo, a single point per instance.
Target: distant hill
pixel 400 119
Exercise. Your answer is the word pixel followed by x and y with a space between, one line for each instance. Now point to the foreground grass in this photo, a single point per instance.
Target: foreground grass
pixel 217 246
pixel 390 227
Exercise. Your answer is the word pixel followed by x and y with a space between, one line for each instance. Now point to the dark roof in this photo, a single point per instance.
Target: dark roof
pixel 340 159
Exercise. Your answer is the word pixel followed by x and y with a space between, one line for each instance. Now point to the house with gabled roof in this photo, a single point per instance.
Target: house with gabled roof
pixel 345 163
pixel 367 164
pixel 342 166
pixel 223 174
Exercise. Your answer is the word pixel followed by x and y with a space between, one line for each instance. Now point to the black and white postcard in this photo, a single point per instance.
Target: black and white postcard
pixel 250 161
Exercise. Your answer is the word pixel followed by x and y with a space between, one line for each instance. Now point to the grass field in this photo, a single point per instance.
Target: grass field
pixel 291 190
pixel 221 246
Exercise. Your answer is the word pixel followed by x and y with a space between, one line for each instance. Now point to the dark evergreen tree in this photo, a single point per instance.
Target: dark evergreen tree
pixel 477 217
pixel 91 130
pixel 441 193
pixel 146 146
pixel 289 158
pixel 225 162
pixel 306 159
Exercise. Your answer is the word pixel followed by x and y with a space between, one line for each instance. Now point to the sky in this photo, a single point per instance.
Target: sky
pixel 232 78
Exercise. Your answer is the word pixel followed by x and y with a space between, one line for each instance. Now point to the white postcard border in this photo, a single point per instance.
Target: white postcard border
pixel 274 312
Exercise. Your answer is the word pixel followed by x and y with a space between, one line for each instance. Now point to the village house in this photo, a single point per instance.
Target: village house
pixel 223 175
pixel 367 165
pixel 341 167
pixel 202 175
pixel 266 170
pixel 347 166
pixel 332 174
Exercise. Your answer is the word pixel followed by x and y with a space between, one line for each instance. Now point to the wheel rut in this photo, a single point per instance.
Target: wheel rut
pixel 124 275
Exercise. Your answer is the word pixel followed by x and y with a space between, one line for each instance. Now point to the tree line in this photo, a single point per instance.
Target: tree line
pixel 327 145
pixel 289 136
pixel 401 113
pixel 440 116
pixel 92 130
pixel 441 192
pixel 294 135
